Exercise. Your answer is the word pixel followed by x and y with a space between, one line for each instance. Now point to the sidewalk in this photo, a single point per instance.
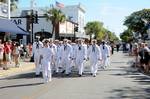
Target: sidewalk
pixel 25 66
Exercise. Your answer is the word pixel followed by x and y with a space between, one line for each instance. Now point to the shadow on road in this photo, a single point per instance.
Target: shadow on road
pixel 21 85
pixel 142 92
pixel 31 75
pixel 131 93
pixel 21 76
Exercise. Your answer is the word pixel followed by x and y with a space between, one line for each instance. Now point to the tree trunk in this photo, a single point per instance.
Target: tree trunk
pixel 53 31
pixel 90 37
pixel 57 31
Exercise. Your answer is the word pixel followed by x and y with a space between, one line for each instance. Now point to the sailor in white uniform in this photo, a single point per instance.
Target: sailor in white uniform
pixel 105 54
pixel 37 46
pixel 58 55
pixel 46 55
pixel 54 48
pixel 80 56
pixel 94 55
pixel 66 57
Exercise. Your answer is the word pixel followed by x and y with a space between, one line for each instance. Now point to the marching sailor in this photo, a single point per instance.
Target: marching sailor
pixel 105 54
pixel 66 56
pixel 94 55
pixel 46 56
pixel 80 56
pixel 37 46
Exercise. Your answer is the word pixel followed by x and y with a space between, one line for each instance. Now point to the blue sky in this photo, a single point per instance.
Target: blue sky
pixel 111 12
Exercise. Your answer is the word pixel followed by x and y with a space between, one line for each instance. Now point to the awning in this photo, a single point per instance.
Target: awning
pixel 10 27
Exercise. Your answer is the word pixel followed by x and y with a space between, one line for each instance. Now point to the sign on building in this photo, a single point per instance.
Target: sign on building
pixel 21 22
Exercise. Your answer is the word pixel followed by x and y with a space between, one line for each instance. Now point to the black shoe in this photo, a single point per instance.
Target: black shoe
pixel 37 75
pixel 67 74
pixel 63 71
pixel 94 75
pixel 80 75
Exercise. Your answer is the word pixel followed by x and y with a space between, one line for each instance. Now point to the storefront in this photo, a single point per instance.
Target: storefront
pixel 9 30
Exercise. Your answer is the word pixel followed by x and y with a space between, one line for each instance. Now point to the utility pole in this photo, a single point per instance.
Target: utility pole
pixel 8 9
pixel 32 3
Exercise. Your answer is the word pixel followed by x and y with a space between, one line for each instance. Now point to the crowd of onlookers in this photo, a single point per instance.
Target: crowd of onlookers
pixel 141 51
pixel 12 52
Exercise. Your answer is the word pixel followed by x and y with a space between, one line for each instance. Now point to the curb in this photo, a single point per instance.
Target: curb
pixel 25 66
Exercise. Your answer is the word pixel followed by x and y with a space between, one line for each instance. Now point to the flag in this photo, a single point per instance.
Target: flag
pixel 60 5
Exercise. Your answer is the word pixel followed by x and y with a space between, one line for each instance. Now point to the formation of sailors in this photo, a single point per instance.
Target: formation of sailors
pixel 64 54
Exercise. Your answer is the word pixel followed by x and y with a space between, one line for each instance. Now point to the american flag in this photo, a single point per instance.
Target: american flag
pixel 60 5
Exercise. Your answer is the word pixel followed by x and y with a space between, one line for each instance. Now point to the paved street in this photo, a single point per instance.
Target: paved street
pixel 119 81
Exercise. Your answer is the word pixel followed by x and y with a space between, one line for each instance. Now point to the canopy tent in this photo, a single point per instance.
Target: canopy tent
pixel 8 26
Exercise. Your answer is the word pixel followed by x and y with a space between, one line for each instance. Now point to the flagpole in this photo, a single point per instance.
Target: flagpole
pixel 8 9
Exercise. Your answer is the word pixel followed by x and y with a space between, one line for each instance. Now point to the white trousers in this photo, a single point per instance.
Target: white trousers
pixel 37 65
pixel 104 61
pixel 80 64
pixel 108 61
pixel 47 75
pixel 57 65
pixel 94 67
pixel 66 64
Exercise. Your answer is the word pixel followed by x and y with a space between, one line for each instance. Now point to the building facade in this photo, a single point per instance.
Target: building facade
pixel 76 13
pixel 75 17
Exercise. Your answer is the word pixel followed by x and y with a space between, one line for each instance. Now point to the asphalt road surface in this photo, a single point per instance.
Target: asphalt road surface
pixel 119 81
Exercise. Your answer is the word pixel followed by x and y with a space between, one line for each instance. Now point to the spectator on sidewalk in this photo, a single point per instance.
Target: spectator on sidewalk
pixel 9 44
pixel 16 53
pixel 118 46
pixel 1 53
pixel 127 47
pixel 6 58
pixel 30 49
pixel 130 49
pixel 144 57
pixel 147 57
pixel 12 48
pixel 135 51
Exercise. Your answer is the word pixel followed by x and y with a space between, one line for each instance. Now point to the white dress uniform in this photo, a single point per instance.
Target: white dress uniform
pixel 54 48
pixel 105 55
pixel 37 46
pixel 94 55
pixel 80 57
pixel 47 55
pixel 58 56
pixel 108 60
pixel 66 57
pixel 73 54
pixel 86 48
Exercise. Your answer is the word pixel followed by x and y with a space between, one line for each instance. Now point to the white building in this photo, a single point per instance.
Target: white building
pixel 77 14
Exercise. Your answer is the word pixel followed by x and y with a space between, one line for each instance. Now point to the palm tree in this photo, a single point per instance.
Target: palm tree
pixel 55 16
